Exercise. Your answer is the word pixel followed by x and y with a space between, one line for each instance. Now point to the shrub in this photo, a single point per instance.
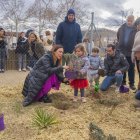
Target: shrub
pixel 97 133
pixel 42 119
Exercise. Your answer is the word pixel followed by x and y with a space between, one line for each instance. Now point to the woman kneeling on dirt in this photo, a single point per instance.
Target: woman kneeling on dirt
pixel 47 73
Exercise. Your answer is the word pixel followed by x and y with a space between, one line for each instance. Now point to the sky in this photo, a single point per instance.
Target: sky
pixel 108 13
pixel 112 12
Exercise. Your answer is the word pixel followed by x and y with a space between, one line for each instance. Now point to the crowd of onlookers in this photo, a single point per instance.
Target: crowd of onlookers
pixel 46 57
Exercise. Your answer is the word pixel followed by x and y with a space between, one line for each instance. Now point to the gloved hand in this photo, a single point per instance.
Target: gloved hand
pixel 101 72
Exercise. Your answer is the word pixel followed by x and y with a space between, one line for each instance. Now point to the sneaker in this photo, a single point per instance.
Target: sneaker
pixel 19 70
pixel 113 86
pixel 117 90
pixel 132 87
pixel 83 99
pixel 24 69
pixel 29 68
pixel 2 70
pixel 75 99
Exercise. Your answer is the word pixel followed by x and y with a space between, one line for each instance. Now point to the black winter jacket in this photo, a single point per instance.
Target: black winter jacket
pixel 3 43
pixel 115 63
pixel 22 48
pixel 126 50
pixel 41 71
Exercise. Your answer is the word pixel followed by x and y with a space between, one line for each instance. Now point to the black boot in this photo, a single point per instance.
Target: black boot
pixel 46 99
pixel 26 102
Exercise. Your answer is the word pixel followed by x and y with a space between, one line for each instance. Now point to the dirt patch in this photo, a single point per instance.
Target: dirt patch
pixel 120 119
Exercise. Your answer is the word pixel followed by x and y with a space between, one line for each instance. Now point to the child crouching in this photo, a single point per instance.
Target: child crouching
pixel 95 62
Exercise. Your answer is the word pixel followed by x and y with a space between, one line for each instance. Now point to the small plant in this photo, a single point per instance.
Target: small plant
pixel 43 120
pixel 97 133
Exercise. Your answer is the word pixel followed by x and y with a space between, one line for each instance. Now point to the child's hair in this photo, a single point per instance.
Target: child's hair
pixel 81 47
pixel 96 50
pixel 85 40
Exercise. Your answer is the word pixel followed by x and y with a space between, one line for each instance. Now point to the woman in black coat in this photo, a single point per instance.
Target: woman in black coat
pixel 47 73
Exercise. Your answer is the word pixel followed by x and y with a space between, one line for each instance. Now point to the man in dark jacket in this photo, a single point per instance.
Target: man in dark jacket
pixel 69 33
pixel 125 35
pixel 115 66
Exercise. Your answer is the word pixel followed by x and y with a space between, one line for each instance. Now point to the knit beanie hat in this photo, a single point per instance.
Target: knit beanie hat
pixel 137 22
pixel 1 29
pixel 70 11
pixel 28 32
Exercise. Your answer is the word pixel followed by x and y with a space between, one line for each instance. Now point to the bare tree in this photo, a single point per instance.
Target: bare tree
pixel 14 10
pixel 41 10
pixel 81 9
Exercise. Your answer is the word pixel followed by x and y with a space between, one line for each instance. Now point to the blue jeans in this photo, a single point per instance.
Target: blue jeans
pixel 109 80
pixel 137 96
pixel 2 58
pixel 21 61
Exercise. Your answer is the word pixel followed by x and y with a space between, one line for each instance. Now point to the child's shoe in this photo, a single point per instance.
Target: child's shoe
pixel 19 70
pixel 75 99
pixel 83 99
pixel 24 69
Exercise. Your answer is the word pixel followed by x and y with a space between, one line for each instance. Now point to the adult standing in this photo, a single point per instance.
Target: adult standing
pixel 68 34
pixel 36 49
pixel 136 55
pixel 21 51
pixel 125 35
pixel 135 50
pixel 3 48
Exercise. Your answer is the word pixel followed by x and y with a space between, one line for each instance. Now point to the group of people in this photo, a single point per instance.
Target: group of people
pixel 30 47
pixel 69 53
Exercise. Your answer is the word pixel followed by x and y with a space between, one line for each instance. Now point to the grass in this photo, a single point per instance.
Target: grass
pixel 17 107
pixel 43 120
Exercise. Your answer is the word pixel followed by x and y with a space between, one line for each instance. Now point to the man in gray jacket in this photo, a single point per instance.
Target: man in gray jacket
pixel 115 66
pixel 125 35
